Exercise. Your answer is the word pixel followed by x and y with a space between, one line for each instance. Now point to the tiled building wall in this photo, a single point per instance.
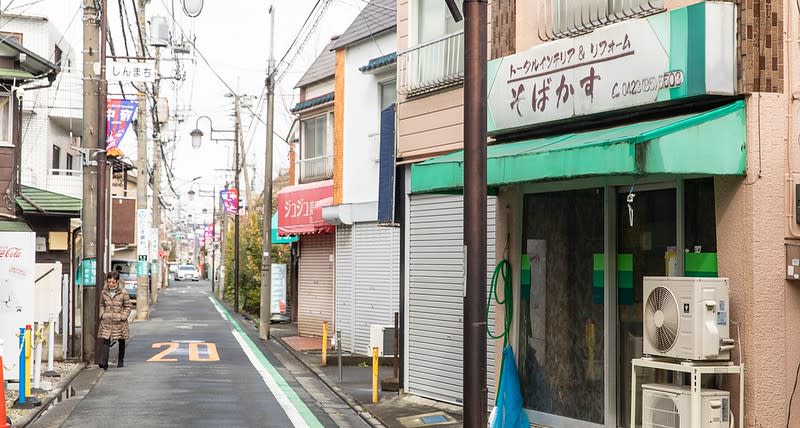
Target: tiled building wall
pixel 761 45
pixel 503 28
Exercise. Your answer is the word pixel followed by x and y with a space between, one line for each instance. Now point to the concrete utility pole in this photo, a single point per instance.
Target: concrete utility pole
pixel 156 274
pixel 474 352
pixel 102 169
pixel 236 169
pixel 266 260
pixel 89 142
pixel 142 291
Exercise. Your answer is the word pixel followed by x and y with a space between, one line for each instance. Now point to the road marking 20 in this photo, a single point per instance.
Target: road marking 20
pixel 194 352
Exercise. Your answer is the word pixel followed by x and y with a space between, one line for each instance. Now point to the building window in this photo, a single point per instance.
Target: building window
pixel 388 94
pixel 6 120
pixel 437 58
pixel 56 160
pixel 70 163
pixel 566 18
pixel 57 54
pixel 316 163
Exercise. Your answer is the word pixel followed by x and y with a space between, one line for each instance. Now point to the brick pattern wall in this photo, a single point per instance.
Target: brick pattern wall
pixel 503 28
pixel 761 45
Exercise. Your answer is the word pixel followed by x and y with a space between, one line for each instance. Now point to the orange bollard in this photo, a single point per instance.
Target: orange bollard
pixel 324 343
pixel 375 374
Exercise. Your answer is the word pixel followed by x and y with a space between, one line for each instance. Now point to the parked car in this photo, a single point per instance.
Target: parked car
pixel 127 275
pixel 188 272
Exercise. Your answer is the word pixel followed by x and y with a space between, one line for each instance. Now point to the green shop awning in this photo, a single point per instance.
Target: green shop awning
pixel 712 142
pixel 33 200
pixel 280 239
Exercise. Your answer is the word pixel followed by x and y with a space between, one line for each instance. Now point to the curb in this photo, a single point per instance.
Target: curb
pixel 371 419
pixel 50 397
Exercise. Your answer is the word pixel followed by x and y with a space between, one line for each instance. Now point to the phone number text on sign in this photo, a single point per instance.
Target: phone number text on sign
pixel 668 80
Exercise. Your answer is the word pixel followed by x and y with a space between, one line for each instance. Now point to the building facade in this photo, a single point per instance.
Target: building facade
pixel 633 140
pixel 367 286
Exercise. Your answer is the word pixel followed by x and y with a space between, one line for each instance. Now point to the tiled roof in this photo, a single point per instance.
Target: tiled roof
pixel 379 62
pixel 322 67
pixel 33 200
pixel 313 102
pixel 376 17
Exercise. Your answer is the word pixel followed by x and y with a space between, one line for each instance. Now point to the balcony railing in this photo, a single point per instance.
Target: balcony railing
pixel 432 65
pixel 568 18
pixel 65 181
pixel 314 169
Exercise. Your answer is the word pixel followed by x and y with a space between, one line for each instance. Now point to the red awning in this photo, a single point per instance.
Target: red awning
pixel 300 208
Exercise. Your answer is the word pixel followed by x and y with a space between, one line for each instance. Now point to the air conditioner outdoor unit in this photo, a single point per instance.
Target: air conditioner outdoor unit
pixel 382 337
pixel 687 318
pixel 670 406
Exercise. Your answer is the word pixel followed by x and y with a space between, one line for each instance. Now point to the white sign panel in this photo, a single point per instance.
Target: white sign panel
pixel 121 71
pixel 154 243
pixel 142 232
pixel 278 289
pixel 631 63
pixel 47 294
pixel 17 272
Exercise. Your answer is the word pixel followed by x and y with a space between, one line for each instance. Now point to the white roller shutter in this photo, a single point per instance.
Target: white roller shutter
pixel 345 304
pixel 315 294
pixel 435 300
pixel 376 251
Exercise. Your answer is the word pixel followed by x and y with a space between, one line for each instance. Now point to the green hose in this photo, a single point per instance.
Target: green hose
pixel 503 269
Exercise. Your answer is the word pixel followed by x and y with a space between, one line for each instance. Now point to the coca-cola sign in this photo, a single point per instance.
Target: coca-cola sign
pixel 10 252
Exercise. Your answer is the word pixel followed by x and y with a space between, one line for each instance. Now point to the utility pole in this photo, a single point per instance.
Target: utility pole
pixel 102 170
pixel 156 274
pixel 266 260
pixel 474 352
pixel 213 237
pixel 91 145
pixel 142 291
pixel 238 203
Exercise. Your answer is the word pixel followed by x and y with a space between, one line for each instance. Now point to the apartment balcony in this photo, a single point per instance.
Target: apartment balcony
pixel 65 181
pixel 431 66
pixel 315 169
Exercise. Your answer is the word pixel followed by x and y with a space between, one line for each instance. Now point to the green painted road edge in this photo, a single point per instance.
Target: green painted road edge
pixel 298 404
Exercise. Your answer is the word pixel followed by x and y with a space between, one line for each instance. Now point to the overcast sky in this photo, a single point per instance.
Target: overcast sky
pixel 233 35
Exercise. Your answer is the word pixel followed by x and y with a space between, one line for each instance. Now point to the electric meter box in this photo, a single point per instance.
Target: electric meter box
pixel 793 261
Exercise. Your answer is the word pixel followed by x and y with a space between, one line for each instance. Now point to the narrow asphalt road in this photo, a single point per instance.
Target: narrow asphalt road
pixel 195 364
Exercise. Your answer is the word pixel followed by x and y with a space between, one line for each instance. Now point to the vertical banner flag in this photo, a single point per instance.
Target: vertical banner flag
pixel 209 232
pixel 120 115
pixel 230 200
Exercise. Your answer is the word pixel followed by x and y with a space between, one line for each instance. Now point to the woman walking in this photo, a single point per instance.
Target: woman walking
pixel 115 307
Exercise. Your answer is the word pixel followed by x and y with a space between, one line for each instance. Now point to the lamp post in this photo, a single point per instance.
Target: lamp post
pixel 197 140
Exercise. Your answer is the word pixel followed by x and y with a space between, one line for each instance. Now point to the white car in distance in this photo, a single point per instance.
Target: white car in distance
pixel 187 272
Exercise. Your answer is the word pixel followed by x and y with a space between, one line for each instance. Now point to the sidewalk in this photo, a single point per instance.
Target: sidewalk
pixel 393 410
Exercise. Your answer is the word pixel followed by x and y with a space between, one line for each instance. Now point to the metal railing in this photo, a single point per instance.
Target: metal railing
pixel 313 169
pixel 65 181
pixel 568 18
pixel 432 65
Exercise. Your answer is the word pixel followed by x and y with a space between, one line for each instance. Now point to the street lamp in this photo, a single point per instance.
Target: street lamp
pixel 197 141
pixel 192 8
pixel 191 194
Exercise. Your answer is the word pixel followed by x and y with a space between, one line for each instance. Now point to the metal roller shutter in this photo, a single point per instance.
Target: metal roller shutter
pixel 315 295
pixel 435 303
pixel 344 285
pixel 376 253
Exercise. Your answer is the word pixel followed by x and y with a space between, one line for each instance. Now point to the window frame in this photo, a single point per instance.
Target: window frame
pixel 612 186
pixel 328 117
pixel 7 140
pixel 55 158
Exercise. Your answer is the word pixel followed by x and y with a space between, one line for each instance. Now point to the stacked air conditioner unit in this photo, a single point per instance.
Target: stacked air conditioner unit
pixel 685 319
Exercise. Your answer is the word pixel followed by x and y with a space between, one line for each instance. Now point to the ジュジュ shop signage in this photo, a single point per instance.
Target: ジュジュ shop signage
pixel 678 54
